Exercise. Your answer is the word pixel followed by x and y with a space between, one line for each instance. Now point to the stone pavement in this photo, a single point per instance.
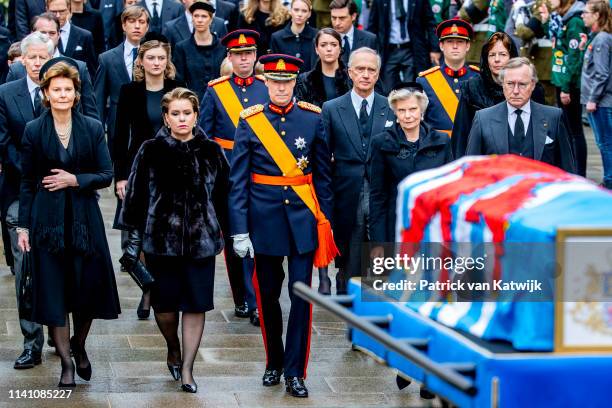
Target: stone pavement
pixel 128 356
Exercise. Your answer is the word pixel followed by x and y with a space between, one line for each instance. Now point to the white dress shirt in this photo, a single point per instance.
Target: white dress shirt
pixel 395 35
pixel 149 4
pixel 128 57
pixel 525 116
pixel 65 34
pixel 189 21
pixel 350 35
pixel 32 88
pixel 356 99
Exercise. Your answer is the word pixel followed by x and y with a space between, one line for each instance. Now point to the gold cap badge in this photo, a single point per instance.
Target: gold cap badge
pixel 280 65
pixel 242 39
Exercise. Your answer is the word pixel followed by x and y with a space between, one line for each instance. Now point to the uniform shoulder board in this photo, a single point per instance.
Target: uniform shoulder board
pixel 260 77
pixel 251 110
pixel 216 81
pixel 475 68
pixel 429 71
pixel 309 107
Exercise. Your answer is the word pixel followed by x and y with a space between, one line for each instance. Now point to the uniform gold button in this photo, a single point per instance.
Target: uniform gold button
pixel 285 188
pixel 456 80
pixel 456 91
pixel 246 99
pixel 283 133
pixel 283 174
pixel 243 89
pixel 287 202
pixel 283 119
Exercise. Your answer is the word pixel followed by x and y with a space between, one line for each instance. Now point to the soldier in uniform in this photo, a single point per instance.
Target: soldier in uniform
pixel 280 159
pixel 441 83
pixel 221 105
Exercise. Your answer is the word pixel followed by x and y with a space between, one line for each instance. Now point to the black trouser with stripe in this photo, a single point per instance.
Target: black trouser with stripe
pixel 268 282
pixel 235 272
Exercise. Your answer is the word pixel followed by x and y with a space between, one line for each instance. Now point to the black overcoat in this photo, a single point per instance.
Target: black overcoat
pixel 390 164
pixel 66 228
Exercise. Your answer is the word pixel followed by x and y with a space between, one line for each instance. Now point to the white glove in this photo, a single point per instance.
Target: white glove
pixel 243 245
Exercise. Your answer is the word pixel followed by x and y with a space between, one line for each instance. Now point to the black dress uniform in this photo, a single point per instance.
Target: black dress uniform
pixel 221 105
pixel 266 204
pixel 442 83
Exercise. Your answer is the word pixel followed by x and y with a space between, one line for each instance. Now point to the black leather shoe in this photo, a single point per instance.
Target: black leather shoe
pixel 70 384
pixel 242 311
pixel 324 282
pixel 295 386
pixel 271 377
pixel 79 354
pixel 27 359
pixel 192 388
pixel 255 318
pixel 143 314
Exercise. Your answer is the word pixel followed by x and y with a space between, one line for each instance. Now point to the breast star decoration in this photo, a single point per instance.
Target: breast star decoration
pixel 302 162
pixel 300 143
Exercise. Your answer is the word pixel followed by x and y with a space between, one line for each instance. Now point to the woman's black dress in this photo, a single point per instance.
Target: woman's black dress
pixel 72 269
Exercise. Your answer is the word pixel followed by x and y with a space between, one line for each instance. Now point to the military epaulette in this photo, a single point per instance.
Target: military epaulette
pixel 475 68
pixel 260 77
pixel 429 71
pixel 216 81
pixel 251 110
pixel 309 107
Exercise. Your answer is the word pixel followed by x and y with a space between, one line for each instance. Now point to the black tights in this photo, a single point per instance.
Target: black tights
pixel 61 338
pixel 192 329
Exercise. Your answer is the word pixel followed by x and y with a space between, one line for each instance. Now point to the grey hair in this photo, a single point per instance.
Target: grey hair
pixel 364 50
pixel 37 38
pixel 518 62
pixel 404 94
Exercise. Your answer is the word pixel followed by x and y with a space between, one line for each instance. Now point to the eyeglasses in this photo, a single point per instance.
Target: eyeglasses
pixel 363 70
pixel 521 85
pixel 59 12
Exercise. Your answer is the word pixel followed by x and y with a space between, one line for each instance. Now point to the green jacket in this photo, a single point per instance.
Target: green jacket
pixel 498 15
pixel 567 55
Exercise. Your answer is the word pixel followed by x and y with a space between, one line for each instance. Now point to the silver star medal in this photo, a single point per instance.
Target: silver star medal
pixel 300 143
pixel 302 162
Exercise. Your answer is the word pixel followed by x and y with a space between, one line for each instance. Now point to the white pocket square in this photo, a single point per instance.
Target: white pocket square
pixel 78 48
pixel 548 140
pixel 388 123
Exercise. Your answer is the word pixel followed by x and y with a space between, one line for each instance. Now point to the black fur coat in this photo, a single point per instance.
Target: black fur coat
pixel 177 196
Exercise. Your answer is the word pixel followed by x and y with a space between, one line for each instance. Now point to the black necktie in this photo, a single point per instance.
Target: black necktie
pixel 363 118
pixel 155 14
pixel 519 126
pixel 37 102
pixel 400 14
pixel 346 50
pixel 60 44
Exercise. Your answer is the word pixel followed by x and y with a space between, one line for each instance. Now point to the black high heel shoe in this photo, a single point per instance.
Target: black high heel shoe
pixel 143 314
pixel 83 372
pixel 175 370
pixel 67 385
pixel 191 388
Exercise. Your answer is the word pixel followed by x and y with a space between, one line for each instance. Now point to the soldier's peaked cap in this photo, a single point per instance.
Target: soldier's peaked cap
pixel 241 40
pixel 455 28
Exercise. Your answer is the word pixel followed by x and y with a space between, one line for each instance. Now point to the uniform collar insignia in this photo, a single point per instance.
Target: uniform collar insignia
pixel 243 81
pixel 280 110
pixel 455 74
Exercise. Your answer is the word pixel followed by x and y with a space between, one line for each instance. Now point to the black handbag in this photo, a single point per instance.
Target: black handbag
pixel 25 288
pixel 132 263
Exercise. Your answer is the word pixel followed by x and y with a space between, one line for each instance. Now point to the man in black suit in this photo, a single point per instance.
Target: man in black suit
pixel 20 102
pixel 350 122
pixel 161 11
pixel 109 9
pixel 115 67
pixel 343 16
pixel 25 10
pixel 519 125
pixel 48 24
pixel 181 27
pixel 406 38
pixel 74 42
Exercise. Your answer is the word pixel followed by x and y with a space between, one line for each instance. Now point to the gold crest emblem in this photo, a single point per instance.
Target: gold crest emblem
pixel 280 65
pixel 454 29
pixel 242 39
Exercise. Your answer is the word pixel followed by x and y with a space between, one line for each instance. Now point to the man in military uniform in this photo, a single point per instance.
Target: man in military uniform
pixel 280 159
pixel 441 83
pixel 220 110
